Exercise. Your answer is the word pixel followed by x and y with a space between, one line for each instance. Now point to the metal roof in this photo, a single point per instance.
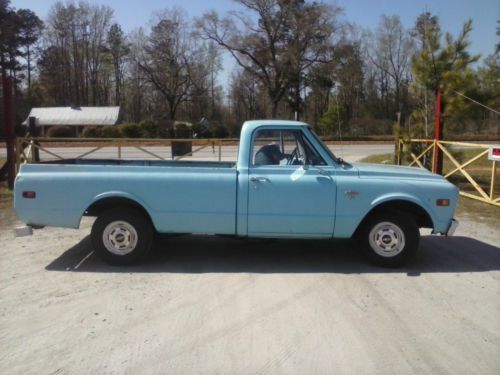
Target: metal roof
pixel 74 116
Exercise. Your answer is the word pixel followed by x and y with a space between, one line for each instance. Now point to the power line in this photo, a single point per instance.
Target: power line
pixel 478 103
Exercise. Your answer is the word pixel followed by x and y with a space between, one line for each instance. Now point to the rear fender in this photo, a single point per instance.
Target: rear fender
pixel 118 194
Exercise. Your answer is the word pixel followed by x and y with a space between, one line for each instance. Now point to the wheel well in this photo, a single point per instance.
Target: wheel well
pixel 421 216
pixel 104 204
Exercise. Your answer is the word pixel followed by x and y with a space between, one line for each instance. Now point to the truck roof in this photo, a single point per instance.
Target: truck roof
pixel 250 125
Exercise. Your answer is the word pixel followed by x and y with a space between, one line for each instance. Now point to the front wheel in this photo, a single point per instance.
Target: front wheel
pixel 121 235
pixel 389 239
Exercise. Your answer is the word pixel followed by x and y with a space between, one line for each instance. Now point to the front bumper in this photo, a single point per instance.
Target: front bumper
pixel 452 226
pixel 451 229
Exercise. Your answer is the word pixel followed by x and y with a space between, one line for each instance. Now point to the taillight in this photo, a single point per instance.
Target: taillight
pixel 29 194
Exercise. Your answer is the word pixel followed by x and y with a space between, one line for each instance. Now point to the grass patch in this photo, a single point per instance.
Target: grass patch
pixel 478 211
pixel 379 159
pixel 480 171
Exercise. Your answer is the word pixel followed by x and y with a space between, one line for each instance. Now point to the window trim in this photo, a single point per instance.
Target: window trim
pixel 282 128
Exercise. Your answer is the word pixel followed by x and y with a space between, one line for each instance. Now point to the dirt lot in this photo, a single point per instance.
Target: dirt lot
pixel 226 306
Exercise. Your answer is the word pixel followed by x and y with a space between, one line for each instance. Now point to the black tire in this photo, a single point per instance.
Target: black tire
pixel 394 237
pixel 129 235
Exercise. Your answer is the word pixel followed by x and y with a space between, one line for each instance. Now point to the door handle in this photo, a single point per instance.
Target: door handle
pixel 258 179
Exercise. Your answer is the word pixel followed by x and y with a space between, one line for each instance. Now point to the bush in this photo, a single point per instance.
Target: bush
pixel 201 131
pixel 183 130
pixel 92 132
pixel 149 128
pixel 220 131
pixel 130 130
pixel 61 132
pixel 110 131
pixel 19 131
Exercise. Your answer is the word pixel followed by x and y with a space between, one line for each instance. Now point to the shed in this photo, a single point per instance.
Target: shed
pixel 77 117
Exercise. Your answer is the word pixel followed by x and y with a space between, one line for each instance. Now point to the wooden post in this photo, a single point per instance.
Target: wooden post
pixel 9 130
pixel 19 145
pixel 493 173
pixel 34 133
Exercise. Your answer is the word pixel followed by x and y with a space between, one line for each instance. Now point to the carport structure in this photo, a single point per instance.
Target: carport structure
pixel 77 117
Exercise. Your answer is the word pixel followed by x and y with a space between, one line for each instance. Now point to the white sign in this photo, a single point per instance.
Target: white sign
pixel 494 153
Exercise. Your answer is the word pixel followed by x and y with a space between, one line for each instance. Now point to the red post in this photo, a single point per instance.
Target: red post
pixel 9 130
pixel 437 166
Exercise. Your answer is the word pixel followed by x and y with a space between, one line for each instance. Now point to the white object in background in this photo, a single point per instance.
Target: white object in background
pixel 494 153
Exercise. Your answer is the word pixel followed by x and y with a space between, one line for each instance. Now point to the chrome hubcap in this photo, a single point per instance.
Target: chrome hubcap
pixel 387 239
pixel 119 237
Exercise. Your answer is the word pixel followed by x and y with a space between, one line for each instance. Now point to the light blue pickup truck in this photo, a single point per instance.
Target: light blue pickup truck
pixel 285 184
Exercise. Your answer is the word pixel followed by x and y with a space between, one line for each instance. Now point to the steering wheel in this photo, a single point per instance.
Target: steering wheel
pixel 292 158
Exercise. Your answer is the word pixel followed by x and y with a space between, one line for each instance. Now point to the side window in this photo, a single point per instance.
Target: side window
pixel 278 147
pixel 313 157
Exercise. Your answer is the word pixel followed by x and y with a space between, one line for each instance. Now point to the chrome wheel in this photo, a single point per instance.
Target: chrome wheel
pixel 387 239
pixel 119 237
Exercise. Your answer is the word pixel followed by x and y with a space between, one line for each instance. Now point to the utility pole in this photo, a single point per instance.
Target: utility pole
pixel 10 166
pixel 437 165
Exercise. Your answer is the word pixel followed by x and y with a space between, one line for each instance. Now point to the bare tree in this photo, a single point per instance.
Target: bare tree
pixel 285 40
pixel 76 33
pixel 118 48
pixel 170 60
pixel 390 53
pixel 99 20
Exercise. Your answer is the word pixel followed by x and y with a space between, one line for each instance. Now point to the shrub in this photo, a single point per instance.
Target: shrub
pixel 92 132
pixel 149 128
pixel 183 130
pixel 110 131
pixel 19 131
pixel 220 131
pixel 201 131
pixel 130 130
pixel 61 132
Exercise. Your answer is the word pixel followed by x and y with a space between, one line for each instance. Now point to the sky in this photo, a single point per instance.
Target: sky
pixel 365 13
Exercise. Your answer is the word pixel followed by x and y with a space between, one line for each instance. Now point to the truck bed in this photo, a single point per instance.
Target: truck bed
pixel 179 196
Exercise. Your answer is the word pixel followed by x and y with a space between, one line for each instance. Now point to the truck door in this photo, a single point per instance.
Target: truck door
pixel 291 191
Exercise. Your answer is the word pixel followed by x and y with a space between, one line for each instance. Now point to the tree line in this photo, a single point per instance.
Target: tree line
pixel 293 59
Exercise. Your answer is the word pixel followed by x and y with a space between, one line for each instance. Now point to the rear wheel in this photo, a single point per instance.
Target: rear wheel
pixel 122 235
pixel 389 239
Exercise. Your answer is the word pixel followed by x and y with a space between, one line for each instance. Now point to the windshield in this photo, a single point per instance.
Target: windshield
pixel 324 146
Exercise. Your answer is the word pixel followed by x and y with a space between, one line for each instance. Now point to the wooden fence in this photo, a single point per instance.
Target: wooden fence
pixel 28 149
pixel 482 177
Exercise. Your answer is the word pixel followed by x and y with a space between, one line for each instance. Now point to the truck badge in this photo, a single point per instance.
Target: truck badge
pixel 351 194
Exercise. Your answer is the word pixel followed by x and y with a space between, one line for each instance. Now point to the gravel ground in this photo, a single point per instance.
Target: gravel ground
pixel 226 306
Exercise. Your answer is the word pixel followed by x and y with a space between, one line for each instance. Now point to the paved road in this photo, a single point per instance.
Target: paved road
pixel 203 305
pixel 229 153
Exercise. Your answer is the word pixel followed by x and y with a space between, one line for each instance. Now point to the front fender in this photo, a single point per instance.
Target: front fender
pixel 348 224
pixel 402 197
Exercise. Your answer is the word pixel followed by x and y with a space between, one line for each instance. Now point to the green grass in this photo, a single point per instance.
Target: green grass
pixel 478 211
pixel 379 159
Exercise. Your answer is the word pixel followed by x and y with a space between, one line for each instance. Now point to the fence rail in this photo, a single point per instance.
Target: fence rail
pixel 483 184
pixel 28 149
